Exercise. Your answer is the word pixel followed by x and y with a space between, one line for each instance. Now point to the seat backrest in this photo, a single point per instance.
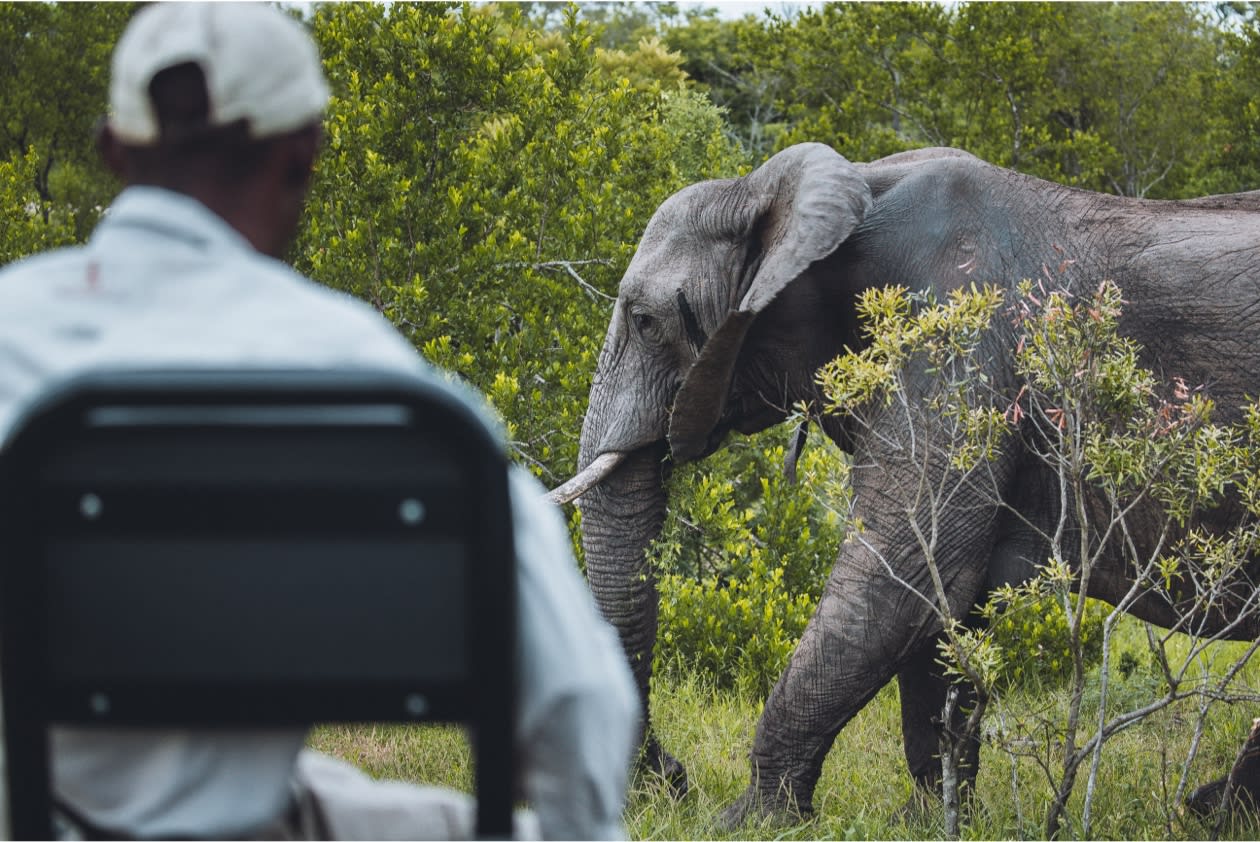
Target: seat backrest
pixel 209 549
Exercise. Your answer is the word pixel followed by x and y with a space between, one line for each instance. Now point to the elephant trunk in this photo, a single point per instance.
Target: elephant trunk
pixel 620 519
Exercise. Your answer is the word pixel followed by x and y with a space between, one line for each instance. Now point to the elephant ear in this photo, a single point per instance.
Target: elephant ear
pixel 802 204
pixel 702 398
pixel 811 200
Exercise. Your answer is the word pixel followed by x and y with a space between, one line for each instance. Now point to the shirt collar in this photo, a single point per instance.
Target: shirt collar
pixel 172 216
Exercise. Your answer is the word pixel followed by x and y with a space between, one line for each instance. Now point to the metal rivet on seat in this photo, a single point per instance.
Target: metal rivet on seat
pixel 411 511
pixel 90 506
pixel 416 704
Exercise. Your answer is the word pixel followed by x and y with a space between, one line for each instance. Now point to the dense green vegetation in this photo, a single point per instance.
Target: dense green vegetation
pixel 53 75
pixel 488 170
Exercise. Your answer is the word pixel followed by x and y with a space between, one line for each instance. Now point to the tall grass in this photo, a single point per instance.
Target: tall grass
pixel 864 785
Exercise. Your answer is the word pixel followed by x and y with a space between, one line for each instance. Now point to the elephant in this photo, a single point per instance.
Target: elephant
pixel 740 289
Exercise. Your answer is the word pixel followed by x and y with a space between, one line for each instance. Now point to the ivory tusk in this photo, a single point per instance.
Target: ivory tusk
pixel 591 476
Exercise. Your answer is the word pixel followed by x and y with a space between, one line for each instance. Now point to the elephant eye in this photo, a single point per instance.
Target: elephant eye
pixel 644 324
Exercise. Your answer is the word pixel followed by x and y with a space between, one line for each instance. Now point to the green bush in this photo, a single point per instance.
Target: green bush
pixel 1034 640
pixel 740 632
pixel 54 63
pixel 743 559
pixel 33 225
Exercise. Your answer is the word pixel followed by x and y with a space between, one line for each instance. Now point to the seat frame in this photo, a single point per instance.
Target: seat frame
pixel 257 481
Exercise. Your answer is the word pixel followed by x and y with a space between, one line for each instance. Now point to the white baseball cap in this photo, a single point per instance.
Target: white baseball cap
pixel 259 65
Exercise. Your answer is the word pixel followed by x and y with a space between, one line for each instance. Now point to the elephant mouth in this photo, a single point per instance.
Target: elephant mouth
pixel 605 464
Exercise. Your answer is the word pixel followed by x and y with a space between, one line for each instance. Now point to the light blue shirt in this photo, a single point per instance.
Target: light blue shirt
pixel 165 282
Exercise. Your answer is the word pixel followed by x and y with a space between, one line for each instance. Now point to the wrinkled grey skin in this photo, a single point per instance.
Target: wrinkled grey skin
pixel 741 289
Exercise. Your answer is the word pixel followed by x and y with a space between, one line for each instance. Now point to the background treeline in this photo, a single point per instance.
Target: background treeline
pixel 489 168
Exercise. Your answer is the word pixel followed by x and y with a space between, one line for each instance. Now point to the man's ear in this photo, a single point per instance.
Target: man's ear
pixel 110 149
pixel 301 148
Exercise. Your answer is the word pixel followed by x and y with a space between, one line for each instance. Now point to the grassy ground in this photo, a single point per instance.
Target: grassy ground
pixel 864 783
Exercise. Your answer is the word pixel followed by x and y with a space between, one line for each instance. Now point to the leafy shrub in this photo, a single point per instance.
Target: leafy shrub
pixel 740 632
pixel 1035 641
pixel 54 70
pixel 743 559
pixel 33 225
pixel 1030 637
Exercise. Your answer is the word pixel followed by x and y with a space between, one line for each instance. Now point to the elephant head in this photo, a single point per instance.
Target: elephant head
pixel 692 352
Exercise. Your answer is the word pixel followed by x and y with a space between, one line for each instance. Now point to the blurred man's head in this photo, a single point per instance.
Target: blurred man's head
pixel 223 102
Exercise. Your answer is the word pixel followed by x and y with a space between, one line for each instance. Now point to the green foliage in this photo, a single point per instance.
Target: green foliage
pixel 616 24
pixel 32 224
pixel 650 65
pixel 942 344
pixel 53 74
pixel 1115 443
pixel 484 185
pixel 1106 426
pixel 1136 465
pixel 734 62
pixel 1138 99
pixel 740 632
pixel 888 96
pixel 1071 352
pixel 1233 162
pixel 1032 633
pixel 932 358
pixel 898 325
pixel 741 562
pixel 1099 425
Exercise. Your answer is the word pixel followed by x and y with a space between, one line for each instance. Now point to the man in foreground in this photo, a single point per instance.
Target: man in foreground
pixel 214 128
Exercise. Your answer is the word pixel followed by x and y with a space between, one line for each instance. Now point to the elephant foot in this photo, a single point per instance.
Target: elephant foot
pixel 1206 800
pixel 778 808
pixel 658 762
